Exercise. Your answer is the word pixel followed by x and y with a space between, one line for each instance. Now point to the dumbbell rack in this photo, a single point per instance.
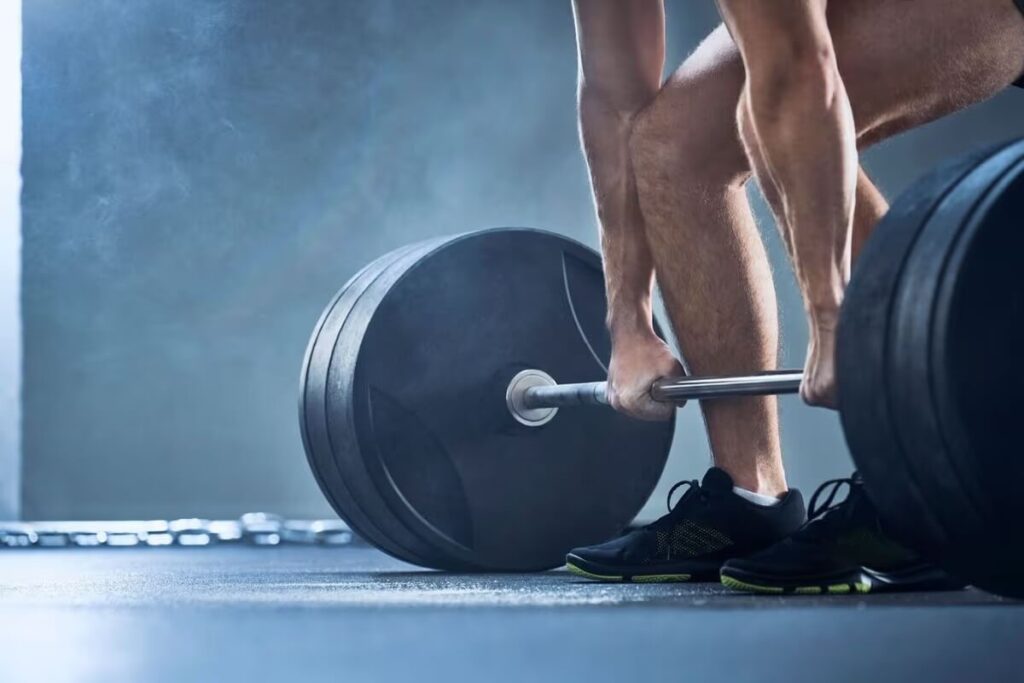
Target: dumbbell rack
pixel 255 529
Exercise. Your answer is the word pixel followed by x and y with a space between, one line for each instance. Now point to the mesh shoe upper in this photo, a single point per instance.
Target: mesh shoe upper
pixel 838 537
pixel 709 522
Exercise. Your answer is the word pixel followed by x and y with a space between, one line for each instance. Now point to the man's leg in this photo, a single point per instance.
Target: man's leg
pixel 710 261
pixel 869 207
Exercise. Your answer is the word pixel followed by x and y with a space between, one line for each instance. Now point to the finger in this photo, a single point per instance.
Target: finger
pixel 634 406
pixel 644 408
pixel 654 417
pixel 660 412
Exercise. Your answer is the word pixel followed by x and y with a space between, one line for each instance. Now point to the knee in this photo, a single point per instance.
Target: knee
pixel 601 105
pixel 681 140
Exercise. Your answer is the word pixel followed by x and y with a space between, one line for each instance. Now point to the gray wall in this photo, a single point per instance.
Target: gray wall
pixel 10 259
pixel 200 177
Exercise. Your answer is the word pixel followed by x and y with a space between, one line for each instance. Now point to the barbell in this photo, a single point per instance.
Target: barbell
pixel 433 389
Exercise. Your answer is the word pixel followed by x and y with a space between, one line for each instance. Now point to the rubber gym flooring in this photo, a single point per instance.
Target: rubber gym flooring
pixel 235 613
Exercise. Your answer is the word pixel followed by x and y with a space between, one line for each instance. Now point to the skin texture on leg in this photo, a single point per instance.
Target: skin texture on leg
pixel 904 64
pixel 710 261
pixel 869 207
pixel 621 58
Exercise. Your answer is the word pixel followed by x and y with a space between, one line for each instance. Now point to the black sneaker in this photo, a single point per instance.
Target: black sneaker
pixel 842 549
pixel 708 525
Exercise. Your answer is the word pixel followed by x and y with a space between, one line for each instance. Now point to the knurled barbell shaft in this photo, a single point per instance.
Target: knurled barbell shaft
pixel 670 390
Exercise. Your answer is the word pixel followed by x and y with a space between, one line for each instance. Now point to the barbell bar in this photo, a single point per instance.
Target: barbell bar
pixel 677 390
pixel 533 397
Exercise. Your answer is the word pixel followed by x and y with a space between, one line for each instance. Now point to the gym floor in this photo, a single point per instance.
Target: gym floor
pixel 316 614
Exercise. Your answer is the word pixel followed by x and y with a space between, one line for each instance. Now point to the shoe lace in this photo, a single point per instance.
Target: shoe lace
pixel 832 486
pixel 692 486
pixel 824 510
pixel 693 493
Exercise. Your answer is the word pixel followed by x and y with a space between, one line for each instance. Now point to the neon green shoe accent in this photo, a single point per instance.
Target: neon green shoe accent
pixel 573 569
pixel 738 585
pixel 643 578
pixel 661 578
pixel 833 589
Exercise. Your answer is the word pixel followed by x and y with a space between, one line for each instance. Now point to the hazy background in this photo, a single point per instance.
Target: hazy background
pixel 199 178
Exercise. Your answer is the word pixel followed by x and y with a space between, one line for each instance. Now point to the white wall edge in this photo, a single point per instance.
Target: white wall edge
pixel 10 260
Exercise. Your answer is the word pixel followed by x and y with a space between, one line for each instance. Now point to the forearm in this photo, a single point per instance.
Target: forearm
pixel 628 266
pixel 799 131
pixel 806 133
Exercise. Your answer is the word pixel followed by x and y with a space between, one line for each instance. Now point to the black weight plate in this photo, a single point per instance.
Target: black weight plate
pixel 952 486
pixel 345 341
pixel 910 348
pixel 312 409
pixel 419 380
pixel 313 414
pixel 978 325
pixel 862 364
pixel 930 329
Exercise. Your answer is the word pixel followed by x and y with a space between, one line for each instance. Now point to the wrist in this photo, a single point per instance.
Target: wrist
pixel 626 326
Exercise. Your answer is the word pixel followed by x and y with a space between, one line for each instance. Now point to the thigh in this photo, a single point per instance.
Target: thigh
pixel 907 62
pixel 903 62
pixel 693 117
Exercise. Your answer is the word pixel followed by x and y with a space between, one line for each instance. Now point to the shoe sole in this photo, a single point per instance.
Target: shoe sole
pixel 628 578
pixel 813 589
pixel 921 578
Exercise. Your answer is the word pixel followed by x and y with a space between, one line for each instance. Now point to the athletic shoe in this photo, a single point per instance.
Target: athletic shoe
pixel 709 525
pixel 842 549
